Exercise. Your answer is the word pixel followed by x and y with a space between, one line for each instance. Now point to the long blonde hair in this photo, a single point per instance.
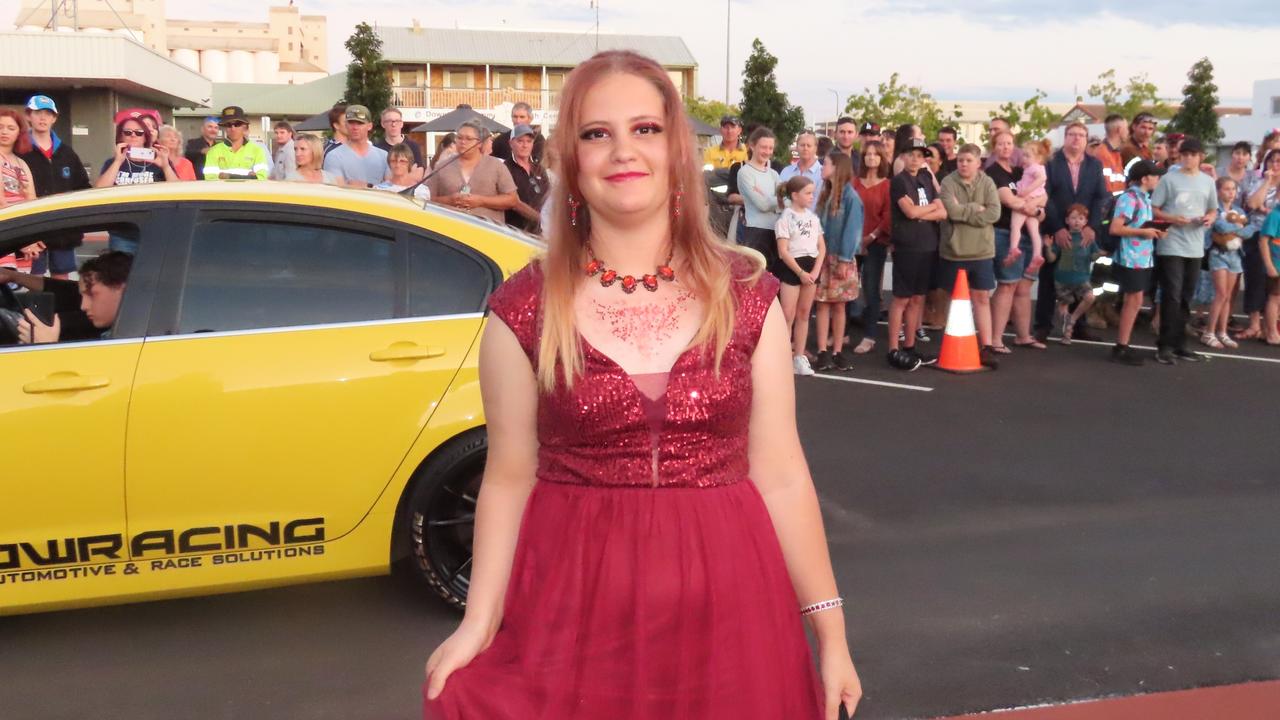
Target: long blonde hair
pixel 707 259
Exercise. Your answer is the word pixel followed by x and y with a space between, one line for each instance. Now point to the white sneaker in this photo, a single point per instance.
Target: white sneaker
pixel 800 364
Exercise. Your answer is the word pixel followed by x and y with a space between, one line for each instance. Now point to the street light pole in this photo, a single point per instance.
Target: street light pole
pixel 837 94
pixel 728 11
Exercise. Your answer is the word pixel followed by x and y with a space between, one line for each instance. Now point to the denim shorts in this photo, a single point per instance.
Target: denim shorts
pixel 1229 260
pixel 1012 273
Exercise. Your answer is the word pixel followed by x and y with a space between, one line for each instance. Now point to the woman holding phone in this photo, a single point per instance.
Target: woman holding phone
pixel 137 160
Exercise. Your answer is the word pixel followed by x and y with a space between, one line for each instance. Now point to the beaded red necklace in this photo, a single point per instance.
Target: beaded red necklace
pixel 629 282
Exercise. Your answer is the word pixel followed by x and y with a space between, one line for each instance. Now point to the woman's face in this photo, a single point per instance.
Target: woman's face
pixel 763 150
pixel 8 132
pixel 1003 148
pixel 170 141
pixel 1273 163
pixel 302 152
pixel 623 156
pixel 399 165
pixel 133 133
pixel 934 162
pixel 871 159
pixel 828 168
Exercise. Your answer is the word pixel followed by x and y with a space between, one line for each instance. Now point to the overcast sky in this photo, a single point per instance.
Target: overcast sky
pixel 962 50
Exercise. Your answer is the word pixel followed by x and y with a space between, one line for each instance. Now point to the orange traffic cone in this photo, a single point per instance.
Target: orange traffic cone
pixel 960 339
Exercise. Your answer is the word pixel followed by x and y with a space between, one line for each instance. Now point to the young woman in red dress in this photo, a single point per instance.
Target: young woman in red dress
pixel 648 541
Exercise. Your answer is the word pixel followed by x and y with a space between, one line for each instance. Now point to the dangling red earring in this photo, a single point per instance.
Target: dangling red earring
pixel 678 197
pixel 573 211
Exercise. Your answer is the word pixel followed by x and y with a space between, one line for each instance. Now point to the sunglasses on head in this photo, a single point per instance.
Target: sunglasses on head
pixel 134 133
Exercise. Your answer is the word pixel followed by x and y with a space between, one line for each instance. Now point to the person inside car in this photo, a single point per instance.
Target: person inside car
pixel 102 284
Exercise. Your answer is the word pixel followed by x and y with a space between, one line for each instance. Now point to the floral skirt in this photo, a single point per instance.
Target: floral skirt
pixel 832 288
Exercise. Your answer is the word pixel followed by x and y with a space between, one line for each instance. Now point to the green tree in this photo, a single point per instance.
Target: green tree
pixel 764 103
pixel 1198 116
pixel 708 111
pixel 1030 119
pixel 1137 95
pixel 368 75
pixel 893 103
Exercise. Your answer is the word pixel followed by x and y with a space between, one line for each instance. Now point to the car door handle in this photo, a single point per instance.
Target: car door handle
pixel 65 382
pixel 406 351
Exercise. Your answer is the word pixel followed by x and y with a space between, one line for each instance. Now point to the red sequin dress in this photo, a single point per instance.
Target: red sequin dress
pixel 637 596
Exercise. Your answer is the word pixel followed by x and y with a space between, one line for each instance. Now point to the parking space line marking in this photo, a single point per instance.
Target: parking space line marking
pixel 881 383
pixel 1153 349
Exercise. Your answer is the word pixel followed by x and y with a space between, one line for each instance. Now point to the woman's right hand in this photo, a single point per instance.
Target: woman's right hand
pixel 121 148
pixel 456 652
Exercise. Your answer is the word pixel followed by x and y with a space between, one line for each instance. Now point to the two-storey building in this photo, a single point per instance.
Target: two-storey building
pixel 434 70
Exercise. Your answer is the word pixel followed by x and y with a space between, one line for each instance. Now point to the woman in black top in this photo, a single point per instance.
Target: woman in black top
pixel 1013 287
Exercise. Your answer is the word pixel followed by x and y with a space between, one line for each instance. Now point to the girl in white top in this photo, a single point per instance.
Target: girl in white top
pixel 801 251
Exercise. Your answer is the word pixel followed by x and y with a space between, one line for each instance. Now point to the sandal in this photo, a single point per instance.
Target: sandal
pixel 865 346
pixel 1252 333
pixel 1211 340
pixel 1035 344
pixel 1226 341
pixel 1001 350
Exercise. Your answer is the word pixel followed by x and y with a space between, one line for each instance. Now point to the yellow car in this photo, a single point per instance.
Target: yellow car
pixel 288 393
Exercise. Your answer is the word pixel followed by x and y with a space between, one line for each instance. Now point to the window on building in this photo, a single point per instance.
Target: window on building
pixel 555 80
pixel 457 79
pixel 290 29
pixel 506 78
pixel 291 46
pixel 1275 106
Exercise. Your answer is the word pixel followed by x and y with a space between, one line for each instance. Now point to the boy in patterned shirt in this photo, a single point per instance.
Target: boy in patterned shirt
pixel 1135 257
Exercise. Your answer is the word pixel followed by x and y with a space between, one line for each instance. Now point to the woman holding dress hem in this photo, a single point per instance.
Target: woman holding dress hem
pixel 605 573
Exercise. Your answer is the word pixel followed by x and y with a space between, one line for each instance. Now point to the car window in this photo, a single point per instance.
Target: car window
pixel 67 245
pixel 248 275
pixel 444 280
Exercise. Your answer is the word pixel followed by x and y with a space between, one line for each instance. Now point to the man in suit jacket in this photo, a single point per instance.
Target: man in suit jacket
pixel 1074 176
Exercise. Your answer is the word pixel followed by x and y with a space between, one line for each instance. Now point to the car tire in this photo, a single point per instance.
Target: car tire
pixel 441 516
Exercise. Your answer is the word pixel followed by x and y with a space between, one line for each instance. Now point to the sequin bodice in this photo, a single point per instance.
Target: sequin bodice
pixel 603 431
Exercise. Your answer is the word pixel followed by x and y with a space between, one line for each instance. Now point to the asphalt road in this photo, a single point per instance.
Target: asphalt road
pixel 1061 529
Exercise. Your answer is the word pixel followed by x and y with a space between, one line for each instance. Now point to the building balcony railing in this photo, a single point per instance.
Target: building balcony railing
pixel 478 98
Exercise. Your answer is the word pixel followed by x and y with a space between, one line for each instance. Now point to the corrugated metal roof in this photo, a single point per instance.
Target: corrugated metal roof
pixel 509 47
pixel 278 100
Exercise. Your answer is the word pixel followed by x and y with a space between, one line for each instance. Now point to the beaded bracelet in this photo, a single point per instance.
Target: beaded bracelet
pixel 820 606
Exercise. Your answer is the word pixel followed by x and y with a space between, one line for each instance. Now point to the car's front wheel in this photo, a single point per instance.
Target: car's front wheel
pixel 442 512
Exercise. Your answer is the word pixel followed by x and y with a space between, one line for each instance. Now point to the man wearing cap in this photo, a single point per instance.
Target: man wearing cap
pixel 729 151
pixel 917 214
pixel 236 157
pixel 1186 199
pixel 55 168
pixel 198 148
pixel 357 160
pixel 530 178
pixel 521 114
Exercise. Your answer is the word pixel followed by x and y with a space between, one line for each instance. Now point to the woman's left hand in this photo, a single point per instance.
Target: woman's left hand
pixel 840 683
pixel 162 155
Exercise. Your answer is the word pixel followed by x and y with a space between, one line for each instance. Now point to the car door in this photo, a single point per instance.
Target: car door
pixel 292 376
pixel 63 410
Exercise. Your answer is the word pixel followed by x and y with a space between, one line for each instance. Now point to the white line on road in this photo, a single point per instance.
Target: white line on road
pixel 1152 349
pixel 881 383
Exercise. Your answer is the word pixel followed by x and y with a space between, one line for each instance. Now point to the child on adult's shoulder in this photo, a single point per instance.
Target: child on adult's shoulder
pixel 1030 188
pixel 1226 261
pixel 1072 273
